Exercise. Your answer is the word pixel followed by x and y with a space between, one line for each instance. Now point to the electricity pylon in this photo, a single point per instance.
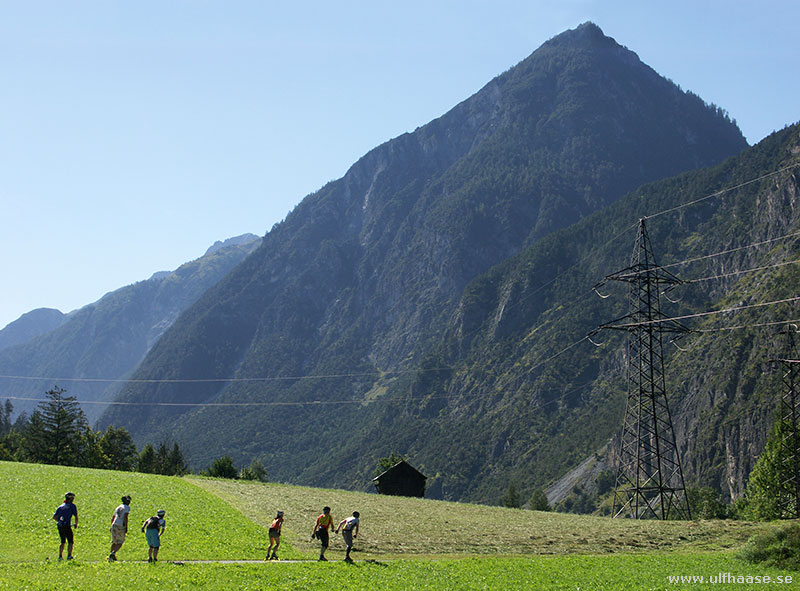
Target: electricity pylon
pixel 649 476
pixel 789 415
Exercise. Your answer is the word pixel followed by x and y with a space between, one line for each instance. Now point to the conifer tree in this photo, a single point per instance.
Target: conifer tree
pixel 162 459
pixel 539 502
pixel 176 462
pixel 148 462
pixel 53 435
pixel 511 497
pixel 117 445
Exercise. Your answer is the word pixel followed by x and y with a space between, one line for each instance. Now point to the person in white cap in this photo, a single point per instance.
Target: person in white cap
pixel 153 528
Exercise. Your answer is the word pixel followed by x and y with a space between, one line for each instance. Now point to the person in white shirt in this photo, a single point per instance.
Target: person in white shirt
pixel 119 527
pixel 349 528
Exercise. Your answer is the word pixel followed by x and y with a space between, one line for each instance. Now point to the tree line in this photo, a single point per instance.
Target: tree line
pixel 57 432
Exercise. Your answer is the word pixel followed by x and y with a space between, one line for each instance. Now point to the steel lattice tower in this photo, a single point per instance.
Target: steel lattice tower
pixel 789 415
pixel 649 477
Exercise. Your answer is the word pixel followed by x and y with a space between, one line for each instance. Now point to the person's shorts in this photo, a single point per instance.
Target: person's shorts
pixel 274 533
pixel 117 534
pixel 65 533
pixel 322 536
pixel 347 536
pixel 153 539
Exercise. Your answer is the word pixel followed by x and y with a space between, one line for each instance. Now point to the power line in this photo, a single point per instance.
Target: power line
pixel 741 326
pixel 700 314
pixel 716 254
pixel 723 191
pixel 358 401
pixel 223 380
pixel 742 272
pixel 421 370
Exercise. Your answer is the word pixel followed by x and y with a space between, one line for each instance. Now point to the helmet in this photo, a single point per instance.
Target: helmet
pixel 126 499
pixel 280 513
pixel 161 512
pixel 69 495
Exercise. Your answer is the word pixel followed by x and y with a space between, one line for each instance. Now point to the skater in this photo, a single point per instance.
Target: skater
pixel 275 536
pixel 119 527
pixel 153 528
pixel 324 522
pixel 349 533
pixel 63 518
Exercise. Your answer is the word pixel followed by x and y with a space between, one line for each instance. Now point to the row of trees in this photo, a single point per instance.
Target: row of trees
pixel 57 432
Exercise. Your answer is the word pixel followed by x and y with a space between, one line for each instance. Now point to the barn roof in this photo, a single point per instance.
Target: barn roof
pixel 401 465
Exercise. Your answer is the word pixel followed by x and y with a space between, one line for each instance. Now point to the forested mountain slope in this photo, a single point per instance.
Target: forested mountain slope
pixel 349 295
pixel 30 325
pixel 515 392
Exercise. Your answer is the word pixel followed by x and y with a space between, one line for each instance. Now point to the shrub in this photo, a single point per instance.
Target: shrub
pixel 779 548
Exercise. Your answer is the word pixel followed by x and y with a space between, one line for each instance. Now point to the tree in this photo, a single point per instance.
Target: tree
pixel 53 435
pixel 176 463
pixel 10 436
pixel 162 461
pixel 764 491
pixel 255 471
pixel 118 447
pixel 92 456
pixel 148 463
pixel 5 418
pixel 385 463
pixel 223 468
pixel 511 497
pixel 539 501
pixel 706 503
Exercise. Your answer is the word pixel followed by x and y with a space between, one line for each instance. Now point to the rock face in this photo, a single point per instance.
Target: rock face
pixel 109 338
pixel 352 293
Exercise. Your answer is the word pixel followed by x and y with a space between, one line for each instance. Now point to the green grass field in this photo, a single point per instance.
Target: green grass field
pixel 404 543
pixel 199 525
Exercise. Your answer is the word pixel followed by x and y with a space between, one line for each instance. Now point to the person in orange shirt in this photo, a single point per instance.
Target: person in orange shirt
pixel 275 536
pixel 321 527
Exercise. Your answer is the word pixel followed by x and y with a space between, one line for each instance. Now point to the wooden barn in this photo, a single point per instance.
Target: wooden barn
pixel 402 480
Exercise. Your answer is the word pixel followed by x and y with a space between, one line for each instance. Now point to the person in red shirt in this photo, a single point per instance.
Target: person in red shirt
pixel 275 536
pixel 321 527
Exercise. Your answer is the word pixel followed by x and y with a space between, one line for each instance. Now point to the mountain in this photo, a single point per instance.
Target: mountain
pixel 348 299
pixel 106 340
pixel 514 392
pixel 30 325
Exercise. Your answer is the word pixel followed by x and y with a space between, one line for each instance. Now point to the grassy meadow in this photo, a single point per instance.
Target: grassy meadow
pixel 403 543
pixel 395 527
pixel 199 525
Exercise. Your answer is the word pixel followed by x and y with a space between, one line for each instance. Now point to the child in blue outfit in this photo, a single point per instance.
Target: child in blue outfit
pixel 153 529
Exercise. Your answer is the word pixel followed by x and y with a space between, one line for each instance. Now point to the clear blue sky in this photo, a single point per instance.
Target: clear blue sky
pixel 135 134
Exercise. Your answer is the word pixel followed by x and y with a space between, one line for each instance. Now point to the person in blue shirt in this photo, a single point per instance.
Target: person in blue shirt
pixel 63 518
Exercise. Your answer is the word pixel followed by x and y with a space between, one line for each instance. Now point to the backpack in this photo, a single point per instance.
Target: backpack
pixel 152 523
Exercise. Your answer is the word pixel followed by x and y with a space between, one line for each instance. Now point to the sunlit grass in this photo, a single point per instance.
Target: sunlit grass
pixel 397 526
pixel 199 524
pixel 608 573
pixel 404 543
